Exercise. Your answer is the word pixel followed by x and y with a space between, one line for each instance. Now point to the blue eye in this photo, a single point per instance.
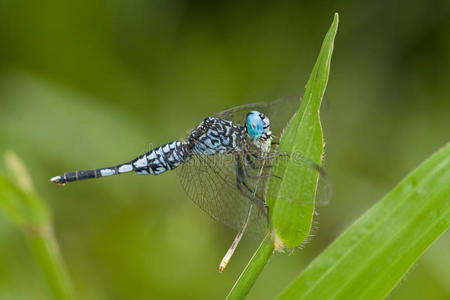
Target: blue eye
pixel 254 125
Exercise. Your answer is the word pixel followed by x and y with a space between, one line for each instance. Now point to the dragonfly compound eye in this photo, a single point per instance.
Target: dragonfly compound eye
pixel 254 124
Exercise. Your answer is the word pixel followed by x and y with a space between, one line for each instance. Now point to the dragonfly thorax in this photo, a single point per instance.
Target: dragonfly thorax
pixel 215 136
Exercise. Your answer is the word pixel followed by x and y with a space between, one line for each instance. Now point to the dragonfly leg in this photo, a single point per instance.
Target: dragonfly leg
pixel 259 156
pixel 241 182
pixel 253 198
pixel 261 203
pixel 249 162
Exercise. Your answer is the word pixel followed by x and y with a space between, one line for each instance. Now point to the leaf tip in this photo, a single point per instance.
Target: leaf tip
pixel 335 21
pixel 19 171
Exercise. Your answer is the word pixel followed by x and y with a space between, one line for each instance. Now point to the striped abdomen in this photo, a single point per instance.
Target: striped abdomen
pixel 156 161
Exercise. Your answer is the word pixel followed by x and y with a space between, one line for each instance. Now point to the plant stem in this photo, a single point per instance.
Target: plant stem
pixel 251 272
pixel 46 251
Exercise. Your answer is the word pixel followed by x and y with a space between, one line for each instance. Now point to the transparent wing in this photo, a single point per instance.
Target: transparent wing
pixel 279 111
pixel 211 182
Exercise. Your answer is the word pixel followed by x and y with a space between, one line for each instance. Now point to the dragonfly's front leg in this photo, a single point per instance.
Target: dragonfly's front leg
pixel 248 162
pixel 264 157
pixel 241 183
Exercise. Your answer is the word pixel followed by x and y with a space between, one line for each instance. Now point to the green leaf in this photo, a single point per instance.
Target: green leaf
pixel 293 205
pixel 18 202
pixel 370 257
pixel 291 201
pixel 27 212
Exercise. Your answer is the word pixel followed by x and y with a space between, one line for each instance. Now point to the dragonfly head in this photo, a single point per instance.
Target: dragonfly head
pixel 257 125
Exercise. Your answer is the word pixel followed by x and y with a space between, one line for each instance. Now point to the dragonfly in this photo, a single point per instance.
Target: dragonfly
pixel 224 165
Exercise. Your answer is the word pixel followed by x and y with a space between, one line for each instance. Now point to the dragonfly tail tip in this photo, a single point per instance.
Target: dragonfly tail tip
pixel 55 179
pixel 58 180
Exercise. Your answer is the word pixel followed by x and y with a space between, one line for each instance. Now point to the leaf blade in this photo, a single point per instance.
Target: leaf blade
pixel 291 201
pixel 372 255
pixel 262 255
pixel 27 212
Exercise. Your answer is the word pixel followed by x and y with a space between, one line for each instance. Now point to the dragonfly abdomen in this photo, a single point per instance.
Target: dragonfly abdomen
pixel 159 160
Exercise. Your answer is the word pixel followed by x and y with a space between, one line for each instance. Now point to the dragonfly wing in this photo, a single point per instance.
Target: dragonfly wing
pixel 211 183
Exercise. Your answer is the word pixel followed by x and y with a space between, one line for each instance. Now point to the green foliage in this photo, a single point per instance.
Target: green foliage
pixel 372 255
pixel 291 202
pixel 26 211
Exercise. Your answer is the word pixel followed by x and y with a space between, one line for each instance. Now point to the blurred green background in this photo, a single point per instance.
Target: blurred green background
pixel 91 83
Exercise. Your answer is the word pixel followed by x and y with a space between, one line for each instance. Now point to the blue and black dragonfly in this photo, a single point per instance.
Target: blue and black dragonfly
pixel 224 164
